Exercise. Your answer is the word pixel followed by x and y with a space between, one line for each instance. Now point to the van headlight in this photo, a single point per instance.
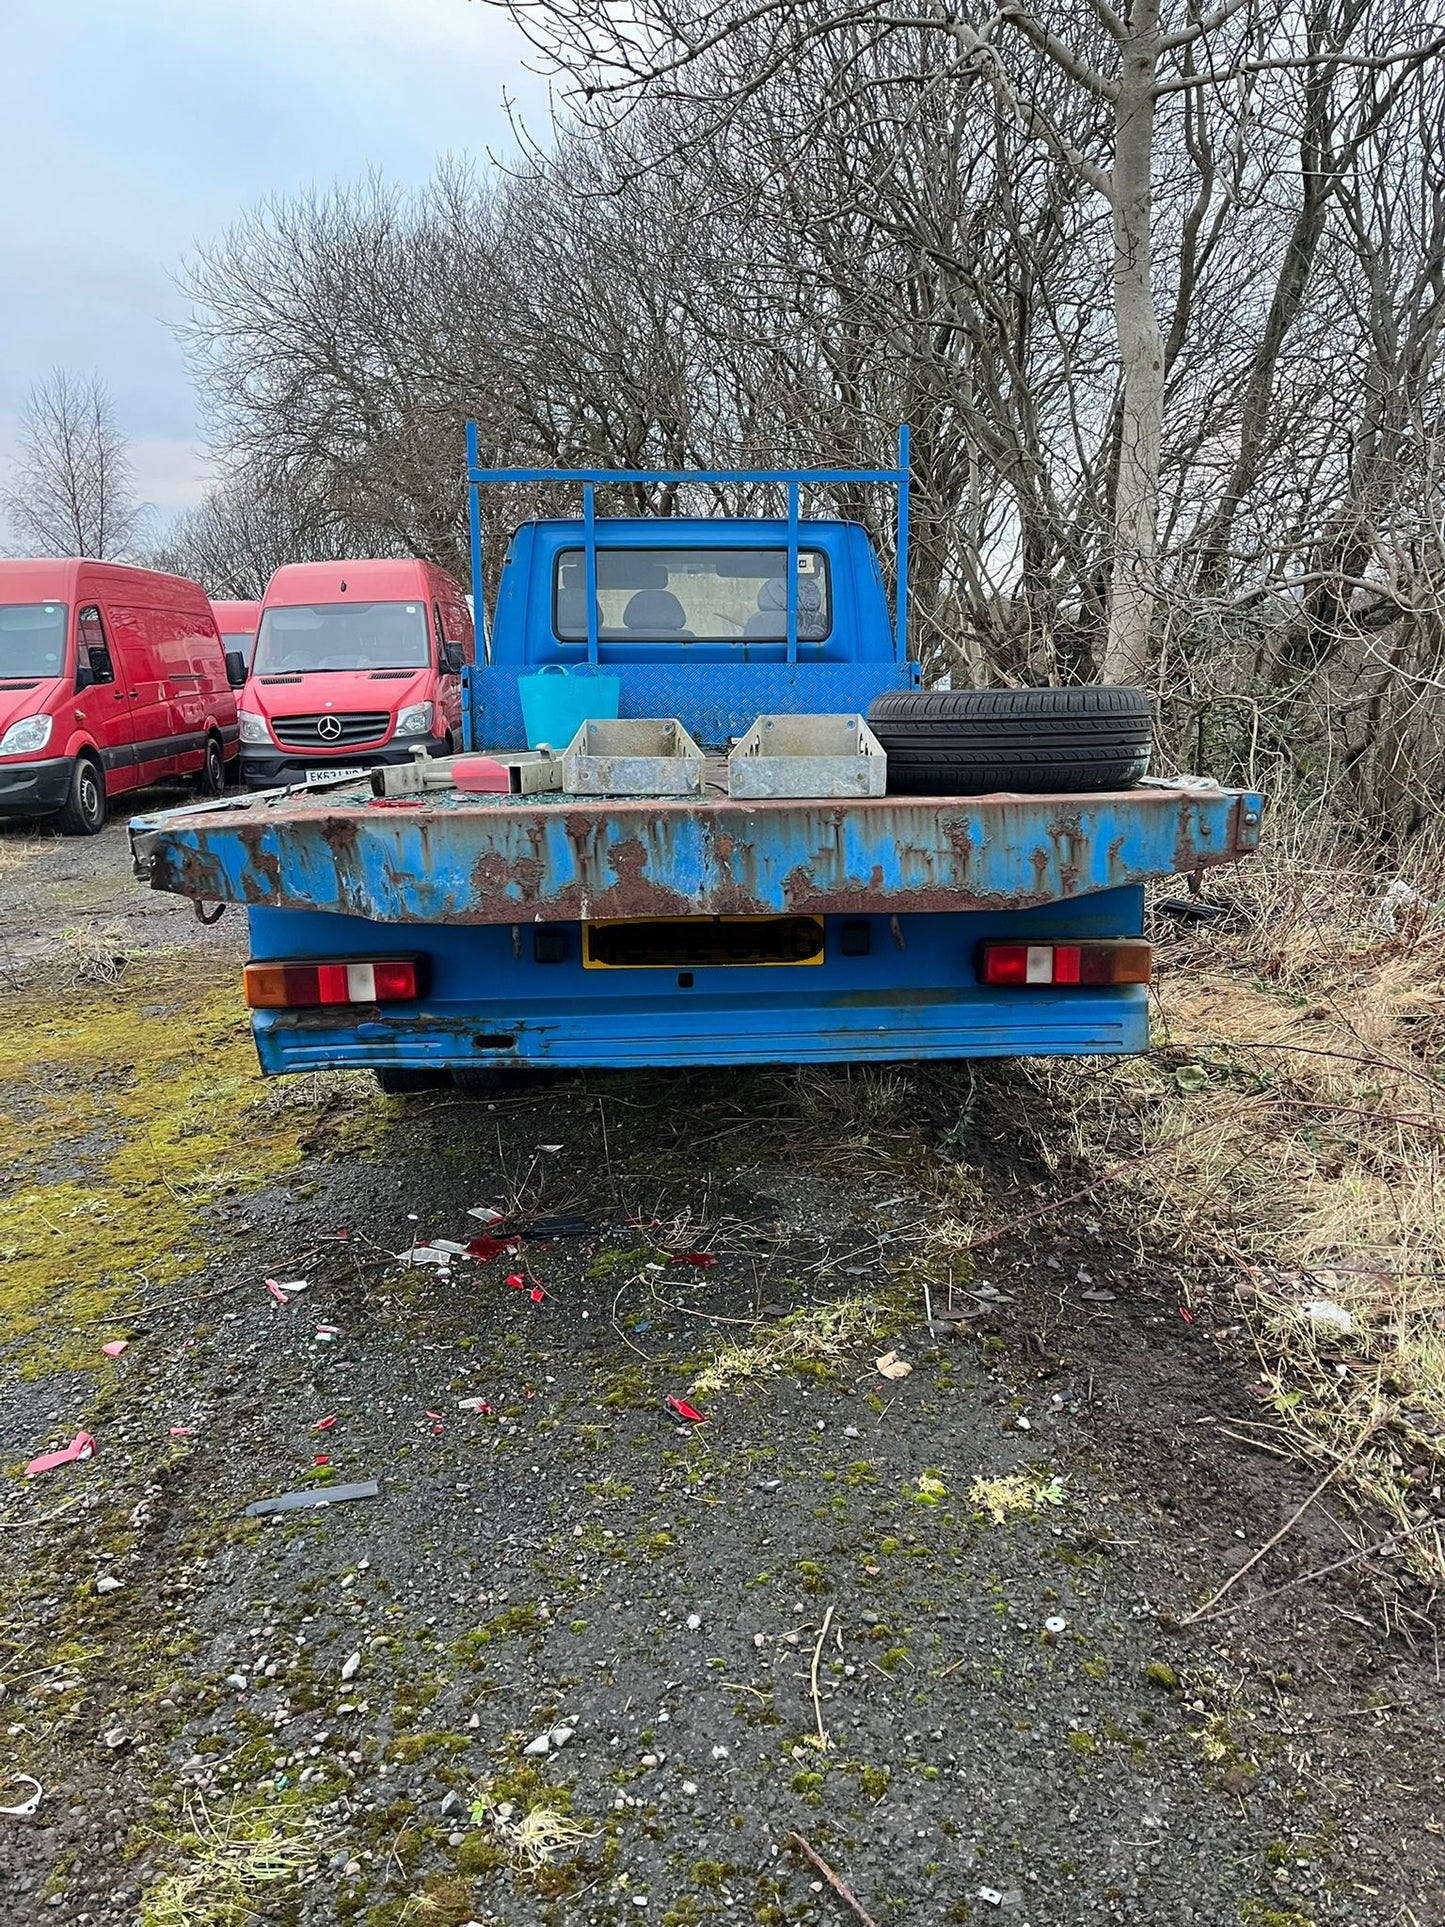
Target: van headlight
pixel 415 721
pixel 26 737
pixel 253 727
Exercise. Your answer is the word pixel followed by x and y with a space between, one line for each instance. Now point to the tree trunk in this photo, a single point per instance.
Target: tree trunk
pixel 1141 356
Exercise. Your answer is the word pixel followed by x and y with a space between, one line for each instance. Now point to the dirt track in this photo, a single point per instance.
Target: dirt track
pixel 807 1615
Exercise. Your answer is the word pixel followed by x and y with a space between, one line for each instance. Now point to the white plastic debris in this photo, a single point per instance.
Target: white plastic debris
pixel 424 1255
pixel 1055 1625
pixel 26 1808
pixel 990 1896
pixel 1324 1315
pixel 1401 900
pixel 484 1214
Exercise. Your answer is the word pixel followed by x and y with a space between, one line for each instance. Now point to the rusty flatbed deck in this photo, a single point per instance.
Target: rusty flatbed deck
pixel 450 858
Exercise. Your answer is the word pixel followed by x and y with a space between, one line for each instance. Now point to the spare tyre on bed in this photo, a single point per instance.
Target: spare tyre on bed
pixel 968 742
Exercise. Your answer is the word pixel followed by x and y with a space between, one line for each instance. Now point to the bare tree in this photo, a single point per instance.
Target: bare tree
pixel 72 490
pixel 1129 61
pixel 242 531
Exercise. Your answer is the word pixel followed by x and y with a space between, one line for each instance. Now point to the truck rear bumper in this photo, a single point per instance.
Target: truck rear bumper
pixel 636 1033
pixel 887 988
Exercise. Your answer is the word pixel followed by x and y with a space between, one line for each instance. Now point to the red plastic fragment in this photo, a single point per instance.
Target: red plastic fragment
pixel 486 1247
pixel 392 802
pixel 82 1446
pixel 324 1424
pixel 1187 1316
pixel 516 1280
pixel 679 1408
pixel 702 1259
pixel 537 1294
pixel 319 1460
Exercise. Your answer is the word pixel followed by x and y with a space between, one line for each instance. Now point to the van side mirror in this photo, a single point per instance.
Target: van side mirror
pixel 84 674
pixel 236 667
pixel 452 658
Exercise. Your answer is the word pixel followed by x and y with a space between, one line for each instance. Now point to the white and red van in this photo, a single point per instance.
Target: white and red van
pixel 237 624
pixel 110 678
pixel 356 664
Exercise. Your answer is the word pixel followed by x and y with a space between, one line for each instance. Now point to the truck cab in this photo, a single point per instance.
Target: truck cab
pixel 237 623
pixel 357 664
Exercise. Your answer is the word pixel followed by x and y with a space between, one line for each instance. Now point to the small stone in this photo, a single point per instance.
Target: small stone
pixel 720 1753
pixel 352 1867
pixel 453 1805
pixel 760 1640
pixel 869 1618
pixel 689 1787
pixel 694 1621
pixel 650 1760
pixel 108 1582
pixel 238 1680
pixel 537 1749
pixel 560 1735
pixel 350 1667
pixel 456 1839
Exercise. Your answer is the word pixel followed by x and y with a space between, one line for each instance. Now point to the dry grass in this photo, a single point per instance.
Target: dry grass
pixel 237 1862
pixel 93 954
pixel 16 852
pixel 822 1335
pixel 534 1838
pixel 1293 1112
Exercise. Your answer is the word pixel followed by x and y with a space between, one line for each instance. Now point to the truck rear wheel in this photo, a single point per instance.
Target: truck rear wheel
pixel 403 1083
pixel 970 742
pixel 83 811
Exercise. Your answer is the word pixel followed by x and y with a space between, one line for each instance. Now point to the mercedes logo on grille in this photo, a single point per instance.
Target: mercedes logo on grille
pixel 328 728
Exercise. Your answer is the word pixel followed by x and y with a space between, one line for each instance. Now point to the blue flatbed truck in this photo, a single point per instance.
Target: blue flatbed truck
pixel 454 934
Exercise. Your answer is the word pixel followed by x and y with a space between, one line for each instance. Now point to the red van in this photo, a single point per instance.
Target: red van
pixel 356 664
pixel 110 678
pixel 237 624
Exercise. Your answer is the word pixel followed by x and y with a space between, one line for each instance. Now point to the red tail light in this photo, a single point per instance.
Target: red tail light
pixel 305 986
pixel 1128 960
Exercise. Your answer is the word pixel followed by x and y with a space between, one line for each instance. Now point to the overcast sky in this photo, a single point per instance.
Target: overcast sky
pixel 132 130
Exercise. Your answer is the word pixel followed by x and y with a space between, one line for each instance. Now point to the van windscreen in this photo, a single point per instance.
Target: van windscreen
pixel 320 636
pixel 32 639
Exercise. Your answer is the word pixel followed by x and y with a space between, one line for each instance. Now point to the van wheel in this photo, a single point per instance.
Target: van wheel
pixel 210 778
pixel 84 810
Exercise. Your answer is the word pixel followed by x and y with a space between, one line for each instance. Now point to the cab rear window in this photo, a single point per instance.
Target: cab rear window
pixel 692 595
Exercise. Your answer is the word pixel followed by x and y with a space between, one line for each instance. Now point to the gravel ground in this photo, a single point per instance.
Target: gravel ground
pixel 929 1623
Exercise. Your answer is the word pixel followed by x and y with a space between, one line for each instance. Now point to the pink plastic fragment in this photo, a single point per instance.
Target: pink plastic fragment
pixel 82 1446
pixel 116 1347
pixel 183 1431
pixel 276 1292
pixel 324 1424
pixel 480 776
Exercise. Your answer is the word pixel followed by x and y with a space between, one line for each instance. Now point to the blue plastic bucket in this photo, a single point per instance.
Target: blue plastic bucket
pixel 557 700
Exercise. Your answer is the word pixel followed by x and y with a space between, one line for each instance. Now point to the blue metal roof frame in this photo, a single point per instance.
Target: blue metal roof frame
pixel 794 480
